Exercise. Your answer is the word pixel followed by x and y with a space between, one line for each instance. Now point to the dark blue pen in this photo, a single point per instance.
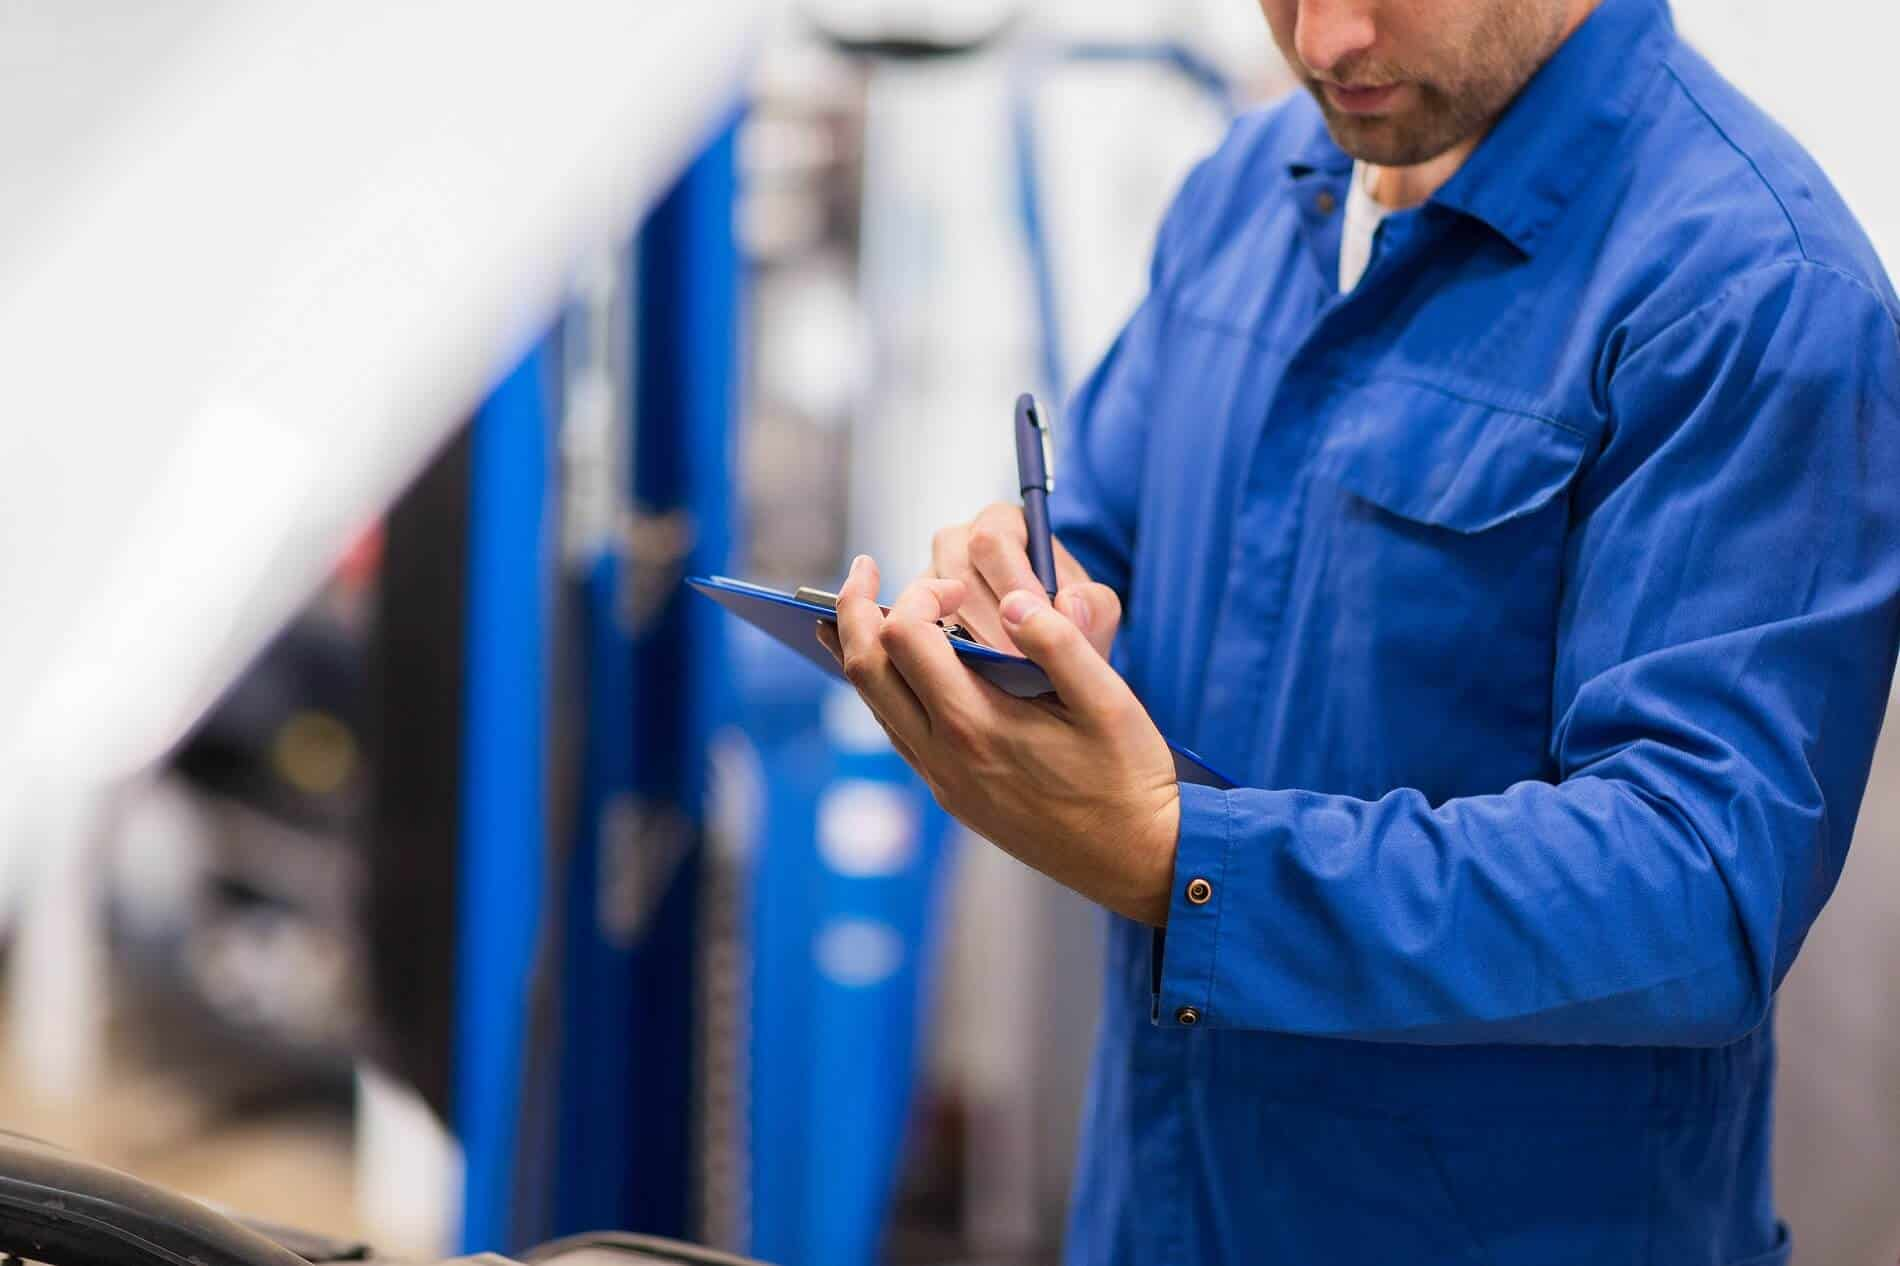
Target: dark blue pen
pixel 1032 469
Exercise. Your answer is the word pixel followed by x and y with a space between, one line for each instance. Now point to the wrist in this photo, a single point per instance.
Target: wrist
pixel 1158 847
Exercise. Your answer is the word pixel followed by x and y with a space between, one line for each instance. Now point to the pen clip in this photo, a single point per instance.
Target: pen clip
pixel 1030 412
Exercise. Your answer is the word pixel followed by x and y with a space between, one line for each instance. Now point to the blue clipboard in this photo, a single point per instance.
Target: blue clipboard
pixel 789 620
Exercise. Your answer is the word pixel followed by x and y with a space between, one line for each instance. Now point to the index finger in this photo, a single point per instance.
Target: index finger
pixel 999 550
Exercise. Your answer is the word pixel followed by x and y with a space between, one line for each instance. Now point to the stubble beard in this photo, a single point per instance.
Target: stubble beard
pixel 1449 106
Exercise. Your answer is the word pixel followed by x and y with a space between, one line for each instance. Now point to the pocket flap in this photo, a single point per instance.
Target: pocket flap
pixel 1437 458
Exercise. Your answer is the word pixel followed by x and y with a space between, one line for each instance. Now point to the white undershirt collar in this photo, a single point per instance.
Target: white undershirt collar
pixel 1364 214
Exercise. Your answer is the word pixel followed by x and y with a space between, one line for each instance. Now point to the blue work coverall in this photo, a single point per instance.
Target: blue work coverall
pixel 1540 593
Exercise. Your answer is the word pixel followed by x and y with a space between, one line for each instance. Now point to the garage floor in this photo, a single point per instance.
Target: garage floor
pixel 284 1162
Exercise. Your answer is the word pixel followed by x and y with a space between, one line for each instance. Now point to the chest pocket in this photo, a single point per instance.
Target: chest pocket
pixel 1437 459
pixel 1429 578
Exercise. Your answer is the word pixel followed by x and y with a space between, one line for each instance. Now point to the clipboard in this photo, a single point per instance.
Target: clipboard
pixel 788 618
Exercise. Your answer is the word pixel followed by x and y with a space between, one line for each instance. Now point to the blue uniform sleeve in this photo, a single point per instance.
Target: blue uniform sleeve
pixel 1725 648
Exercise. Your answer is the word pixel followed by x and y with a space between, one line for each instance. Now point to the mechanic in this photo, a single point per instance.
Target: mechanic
pixel 1501 480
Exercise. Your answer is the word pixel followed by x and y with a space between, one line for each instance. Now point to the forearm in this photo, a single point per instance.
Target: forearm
pixel 1587 912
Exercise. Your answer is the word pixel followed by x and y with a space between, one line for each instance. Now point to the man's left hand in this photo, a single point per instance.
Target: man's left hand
pixel 1080 786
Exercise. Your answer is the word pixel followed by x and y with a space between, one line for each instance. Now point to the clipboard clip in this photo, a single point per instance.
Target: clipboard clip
pixel 825 598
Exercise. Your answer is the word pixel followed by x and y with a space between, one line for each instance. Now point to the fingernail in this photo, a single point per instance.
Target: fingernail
pixel 856 564
pixel 1082 616
pixel 1017 606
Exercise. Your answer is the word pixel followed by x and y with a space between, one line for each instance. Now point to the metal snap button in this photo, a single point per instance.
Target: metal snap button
pixel 1199 891
pixel 1187 1015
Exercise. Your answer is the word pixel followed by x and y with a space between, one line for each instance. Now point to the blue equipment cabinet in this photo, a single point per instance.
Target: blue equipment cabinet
pixel 503 788
pixel 581 845
pixel 592 708
pixel 849 877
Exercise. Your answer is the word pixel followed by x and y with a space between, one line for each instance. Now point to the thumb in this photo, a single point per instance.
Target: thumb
pixel 1096 610
pixel 1087 686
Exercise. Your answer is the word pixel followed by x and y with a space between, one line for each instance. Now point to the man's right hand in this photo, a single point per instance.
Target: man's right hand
pixel 990 555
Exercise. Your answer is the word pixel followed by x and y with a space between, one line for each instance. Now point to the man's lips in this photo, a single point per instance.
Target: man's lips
pixel 1361 100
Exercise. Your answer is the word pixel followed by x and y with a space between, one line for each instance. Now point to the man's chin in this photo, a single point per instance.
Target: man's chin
pixel 1384 140
pixel 1428 122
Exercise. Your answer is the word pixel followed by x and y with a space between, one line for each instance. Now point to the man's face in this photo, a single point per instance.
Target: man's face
pixel 1402 81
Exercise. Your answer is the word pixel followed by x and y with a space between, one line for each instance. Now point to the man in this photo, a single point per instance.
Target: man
pixel 1502 481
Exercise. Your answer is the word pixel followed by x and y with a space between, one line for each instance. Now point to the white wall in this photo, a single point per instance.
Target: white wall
pixel 1825 69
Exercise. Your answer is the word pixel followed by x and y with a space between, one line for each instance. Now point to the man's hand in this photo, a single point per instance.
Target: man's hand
pixel 1080 786
pixel 990 555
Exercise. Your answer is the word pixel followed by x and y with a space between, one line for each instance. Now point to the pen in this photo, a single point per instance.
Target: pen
pixel 1032 470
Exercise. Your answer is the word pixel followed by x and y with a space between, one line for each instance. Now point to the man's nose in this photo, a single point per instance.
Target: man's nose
pixel 1330 33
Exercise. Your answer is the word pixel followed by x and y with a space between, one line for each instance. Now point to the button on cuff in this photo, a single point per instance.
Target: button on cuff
pixel 1184 957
